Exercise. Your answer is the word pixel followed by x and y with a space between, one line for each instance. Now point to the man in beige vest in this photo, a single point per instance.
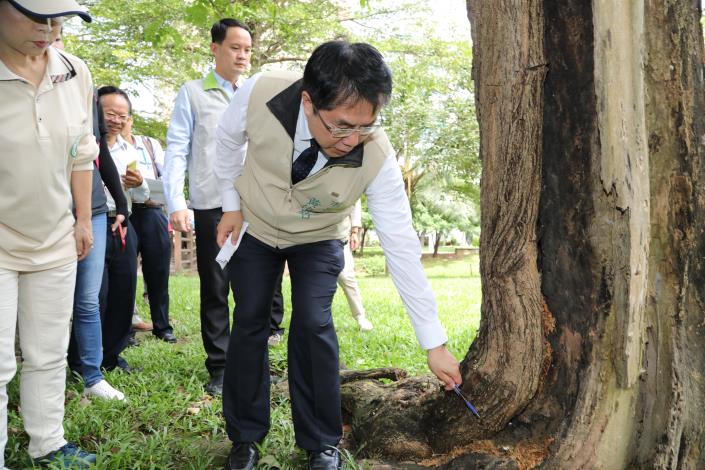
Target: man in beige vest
pixel 293 157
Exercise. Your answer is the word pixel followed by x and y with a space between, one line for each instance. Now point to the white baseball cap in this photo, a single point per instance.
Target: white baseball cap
pixel 51 8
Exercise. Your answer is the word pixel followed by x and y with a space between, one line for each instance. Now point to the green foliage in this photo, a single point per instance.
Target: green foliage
pixel 149 126
pixel 169 422
pixel 372 264
pixel 431 123
pixel 140 42
pixel 440 210
pixel 430 120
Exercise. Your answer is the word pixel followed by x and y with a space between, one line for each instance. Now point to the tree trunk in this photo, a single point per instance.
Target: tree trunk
pixel 620 267
pixel 503 367
pixel 592 341
pixel 436 244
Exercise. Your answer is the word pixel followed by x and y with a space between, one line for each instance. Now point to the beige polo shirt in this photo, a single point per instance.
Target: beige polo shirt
pixel 45 134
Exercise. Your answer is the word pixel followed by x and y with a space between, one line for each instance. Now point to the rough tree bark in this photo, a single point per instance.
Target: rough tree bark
pixel 503 368
pixel 621 233
pixel 591 345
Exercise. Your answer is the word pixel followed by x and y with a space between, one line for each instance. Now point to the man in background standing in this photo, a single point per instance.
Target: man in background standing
pixel 346 278
pixel 154 243
pixel 117 291
pixel 191 148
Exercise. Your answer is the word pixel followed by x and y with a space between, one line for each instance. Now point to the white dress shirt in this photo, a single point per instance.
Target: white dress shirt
pixel 144 160
pixel 386 201
pixel 123 154
pixel 179 137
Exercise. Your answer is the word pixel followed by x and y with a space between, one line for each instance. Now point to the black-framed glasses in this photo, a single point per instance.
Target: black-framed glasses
pixel 342 132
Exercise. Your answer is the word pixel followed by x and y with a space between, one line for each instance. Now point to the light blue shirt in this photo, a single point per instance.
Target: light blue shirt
pixel 178 148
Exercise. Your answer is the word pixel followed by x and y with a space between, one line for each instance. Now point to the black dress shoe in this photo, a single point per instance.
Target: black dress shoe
pixel 215 386
pixel 325 460
pixel 166 336
pixel 243 456
pixel 132 341
pixel 128 369
pixel 123 366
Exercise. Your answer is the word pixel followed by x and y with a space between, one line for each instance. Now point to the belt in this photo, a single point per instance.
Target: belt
pixel 146 205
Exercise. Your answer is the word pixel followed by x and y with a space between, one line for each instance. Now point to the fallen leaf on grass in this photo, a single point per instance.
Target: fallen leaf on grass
pixel 270 461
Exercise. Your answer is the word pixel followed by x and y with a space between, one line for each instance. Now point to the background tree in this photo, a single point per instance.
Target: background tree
pixel 439 211
pixel 430 119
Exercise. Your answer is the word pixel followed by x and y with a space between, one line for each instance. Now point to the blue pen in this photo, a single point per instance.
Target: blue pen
pixel 467 402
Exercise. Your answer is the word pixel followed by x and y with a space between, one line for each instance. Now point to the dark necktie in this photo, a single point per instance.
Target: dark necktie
pixel 304 163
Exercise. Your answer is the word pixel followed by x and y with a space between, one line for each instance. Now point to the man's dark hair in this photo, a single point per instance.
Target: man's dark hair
pixel 113 90
pixel 220 29
pixel 338 72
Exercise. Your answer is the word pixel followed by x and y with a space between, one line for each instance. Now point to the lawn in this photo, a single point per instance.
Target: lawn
pixel 168 422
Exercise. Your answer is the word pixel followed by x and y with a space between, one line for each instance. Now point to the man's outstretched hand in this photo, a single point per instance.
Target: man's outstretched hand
pixel 444 365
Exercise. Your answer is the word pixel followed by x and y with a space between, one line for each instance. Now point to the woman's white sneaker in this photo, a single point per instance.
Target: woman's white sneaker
pixel 103 389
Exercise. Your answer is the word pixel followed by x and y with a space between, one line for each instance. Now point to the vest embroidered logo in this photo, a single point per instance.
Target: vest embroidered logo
pixel 310 205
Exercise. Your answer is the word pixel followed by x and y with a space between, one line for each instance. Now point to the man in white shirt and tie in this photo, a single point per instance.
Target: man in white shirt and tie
pixel 294 155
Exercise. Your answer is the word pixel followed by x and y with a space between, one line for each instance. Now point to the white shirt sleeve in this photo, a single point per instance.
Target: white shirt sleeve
pixel 231 145
pixel 391 214
pixel 178 150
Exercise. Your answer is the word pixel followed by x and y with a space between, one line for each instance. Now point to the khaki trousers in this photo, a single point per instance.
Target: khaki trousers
pixel 347 281
pixel 40 303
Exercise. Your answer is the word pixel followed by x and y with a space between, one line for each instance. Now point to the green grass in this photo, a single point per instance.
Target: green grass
pixel 169 422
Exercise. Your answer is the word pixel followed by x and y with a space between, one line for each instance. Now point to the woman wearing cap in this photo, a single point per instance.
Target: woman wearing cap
pixel 46 149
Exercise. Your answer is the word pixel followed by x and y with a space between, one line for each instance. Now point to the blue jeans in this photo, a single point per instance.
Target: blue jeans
pixel 86 349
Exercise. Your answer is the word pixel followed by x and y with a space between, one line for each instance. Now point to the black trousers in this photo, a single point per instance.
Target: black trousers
pixel 154 244
pixel 117 293
pixel 314 382
pixel 215 312
pixel 275 319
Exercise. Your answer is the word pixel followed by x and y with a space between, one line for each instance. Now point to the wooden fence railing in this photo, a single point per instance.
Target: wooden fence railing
pixel 183 252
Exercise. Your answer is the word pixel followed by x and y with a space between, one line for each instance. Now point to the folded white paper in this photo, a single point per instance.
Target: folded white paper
pixel 226 252
pixel 156 190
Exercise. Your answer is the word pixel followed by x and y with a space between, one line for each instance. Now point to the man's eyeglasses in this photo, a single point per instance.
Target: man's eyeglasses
pixel 342 132
pixel 116 117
